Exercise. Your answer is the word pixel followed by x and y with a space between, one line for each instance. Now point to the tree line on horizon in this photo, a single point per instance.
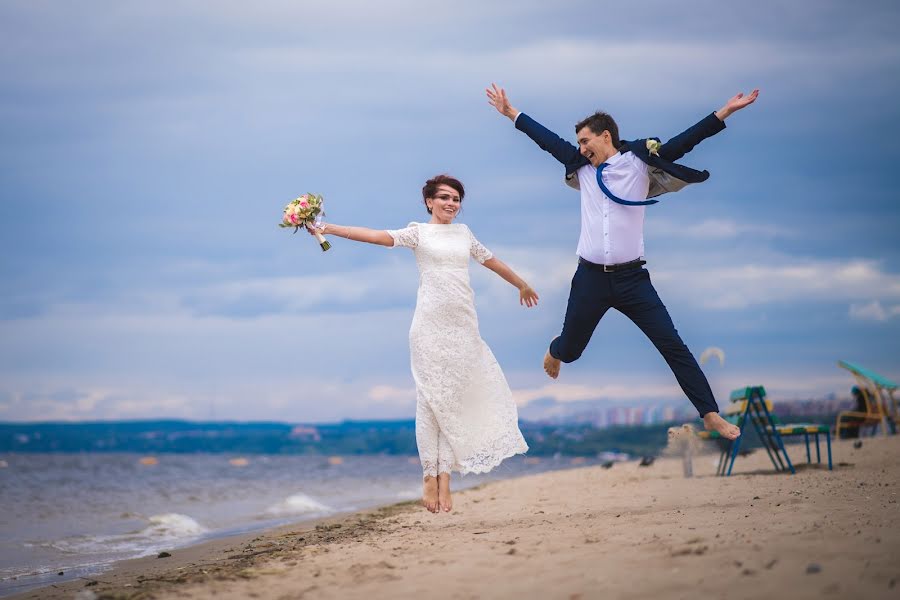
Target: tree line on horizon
pixel 346 438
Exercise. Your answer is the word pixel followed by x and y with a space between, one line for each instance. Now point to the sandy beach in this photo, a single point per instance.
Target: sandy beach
pixel 623 532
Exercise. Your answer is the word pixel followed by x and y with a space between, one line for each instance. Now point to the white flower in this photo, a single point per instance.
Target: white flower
pixel 653 146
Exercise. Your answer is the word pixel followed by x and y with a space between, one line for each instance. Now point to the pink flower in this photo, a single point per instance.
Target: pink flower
pixel 304 204
pixel 295 219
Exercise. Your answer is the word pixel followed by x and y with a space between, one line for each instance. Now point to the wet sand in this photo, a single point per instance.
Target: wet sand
pixel 623 532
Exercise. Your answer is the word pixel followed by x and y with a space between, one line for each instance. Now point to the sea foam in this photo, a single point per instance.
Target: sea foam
pixel 299 504
pixel 163 530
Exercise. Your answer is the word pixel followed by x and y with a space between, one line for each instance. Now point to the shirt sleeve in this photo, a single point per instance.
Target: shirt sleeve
pixel 408 237
pixel 477 250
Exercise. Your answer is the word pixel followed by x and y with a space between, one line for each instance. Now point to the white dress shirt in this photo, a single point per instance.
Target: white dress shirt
pixel 612 233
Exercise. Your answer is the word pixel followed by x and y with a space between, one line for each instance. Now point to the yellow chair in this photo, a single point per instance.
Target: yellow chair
pixel 881 406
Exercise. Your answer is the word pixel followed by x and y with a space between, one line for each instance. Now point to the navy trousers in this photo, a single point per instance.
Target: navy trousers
pixel 630 292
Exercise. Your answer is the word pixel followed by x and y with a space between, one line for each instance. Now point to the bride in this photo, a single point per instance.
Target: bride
pixel 466 419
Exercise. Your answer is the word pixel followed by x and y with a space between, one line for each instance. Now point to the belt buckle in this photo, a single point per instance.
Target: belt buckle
pixel 609 269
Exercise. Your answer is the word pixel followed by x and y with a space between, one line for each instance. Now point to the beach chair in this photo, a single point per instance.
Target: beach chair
pixel 806 430
pixel 749 405
pixel 881 406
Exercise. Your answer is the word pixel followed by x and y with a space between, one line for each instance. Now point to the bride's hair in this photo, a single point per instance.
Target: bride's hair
pixel 431 186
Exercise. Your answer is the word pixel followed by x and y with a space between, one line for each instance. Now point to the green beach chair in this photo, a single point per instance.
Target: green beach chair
pixel 807 429
pixel 749 405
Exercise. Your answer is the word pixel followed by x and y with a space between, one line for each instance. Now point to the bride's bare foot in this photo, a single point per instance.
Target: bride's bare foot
pixel 551 365
pixel 712 421
pixel 445 502
pixel 430 493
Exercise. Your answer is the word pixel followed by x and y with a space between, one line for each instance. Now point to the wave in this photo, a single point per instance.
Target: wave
pixel 163 531
pixel 299 504
pixel 409 494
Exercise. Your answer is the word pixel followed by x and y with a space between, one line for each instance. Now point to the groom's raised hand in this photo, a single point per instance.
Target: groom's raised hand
pixel 736 103
pixel 497 98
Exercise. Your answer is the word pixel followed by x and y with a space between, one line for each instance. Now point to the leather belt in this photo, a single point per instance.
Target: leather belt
pixel 632 264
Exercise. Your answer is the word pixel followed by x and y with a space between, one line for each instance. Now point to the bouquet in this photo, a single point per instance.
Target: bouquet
pixel 308 209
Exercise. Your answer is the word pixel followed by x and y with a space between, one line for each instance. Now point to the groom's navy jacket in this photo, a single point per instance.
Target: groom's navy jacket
pixel 665 174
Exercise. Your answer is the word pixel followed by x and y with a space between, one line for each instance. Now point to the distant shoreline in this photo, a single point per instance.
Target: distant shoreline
pixel 348 438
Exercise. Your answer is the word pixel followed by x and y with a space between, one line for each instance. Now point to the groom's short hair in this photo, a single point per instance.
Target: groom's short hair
pixel 431 186
pixel 600 122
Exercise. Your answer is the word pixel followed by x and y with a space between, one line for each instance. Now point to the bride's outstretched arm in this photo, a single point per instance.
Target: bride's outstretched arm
pixel 357 234
pixel 527 295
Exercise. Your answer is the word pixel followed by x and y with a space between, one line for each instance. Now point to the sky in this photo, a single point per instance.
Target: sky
pixel 148 149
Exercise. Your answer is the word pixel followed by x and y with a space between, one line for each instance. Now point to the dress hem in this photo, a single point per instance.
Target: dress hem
pixel 490 467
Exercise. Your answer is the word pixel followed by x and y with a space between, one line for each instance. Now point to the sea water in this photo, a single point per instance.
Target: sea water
pixel 76 514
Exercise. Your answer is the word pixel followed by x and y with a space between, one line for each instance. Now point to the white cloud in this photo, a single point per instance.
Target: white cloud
pixel 653 384
pixel 45 401
pixel 873 311
pixel 284 92
pixel 390 394
pixel 291 397
pixel 573 392
pixel 712 229
pixel 214 291
pixel 297 294
pixel 804 281
pixel 721 277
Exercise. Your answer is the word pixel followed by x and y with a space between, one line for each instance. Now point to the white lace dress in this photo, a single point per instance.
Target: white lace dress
pixel 466 419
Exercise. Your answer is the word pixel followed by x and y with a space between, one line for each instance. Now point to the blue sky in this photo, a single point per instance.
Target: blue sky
pixel 148 148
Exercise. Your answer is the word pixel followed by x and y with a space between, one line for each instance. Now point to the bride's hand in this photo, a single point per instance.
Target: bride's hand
pixel 528 297
pixel 311 228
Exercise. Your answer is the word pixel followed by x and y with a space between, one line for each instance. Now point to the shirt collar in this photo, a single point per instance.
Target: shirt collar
pixel 614 158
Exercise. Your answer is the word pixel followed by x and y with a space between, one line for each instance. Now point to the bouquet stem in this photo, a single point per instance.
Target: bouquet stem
pixel 325 244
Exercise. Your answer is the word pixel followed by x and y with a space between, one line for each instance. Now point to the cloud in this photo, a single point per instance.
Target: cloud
pixel 47 402
pixel 215 63
pixel 292 397
pixel 725 277
pixel 382 284
pixel 807 281
pixel 169 129
pixel 647 384
pixel 573 392
pixel 390 394
pixel 873 311
pixel 713 229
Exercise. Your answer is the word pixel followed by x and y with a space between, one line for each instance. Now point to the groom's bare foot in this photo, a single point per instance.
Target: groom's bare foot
pixel 712 421
pixel 430 493
pixel 445 502
pixel 551 365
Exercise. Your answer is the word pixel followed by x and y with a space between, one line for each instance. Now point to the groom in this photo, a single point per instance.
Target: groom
pixel 617 180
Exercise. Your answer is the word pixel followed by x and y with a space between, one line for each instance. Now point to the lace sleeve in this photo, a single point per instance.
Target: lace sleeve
pixel 407 237
pixel 477 250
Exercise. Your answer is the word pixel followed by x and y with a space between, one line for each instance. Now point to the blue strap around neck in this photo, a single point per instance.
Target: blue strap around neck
pixel 614 198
